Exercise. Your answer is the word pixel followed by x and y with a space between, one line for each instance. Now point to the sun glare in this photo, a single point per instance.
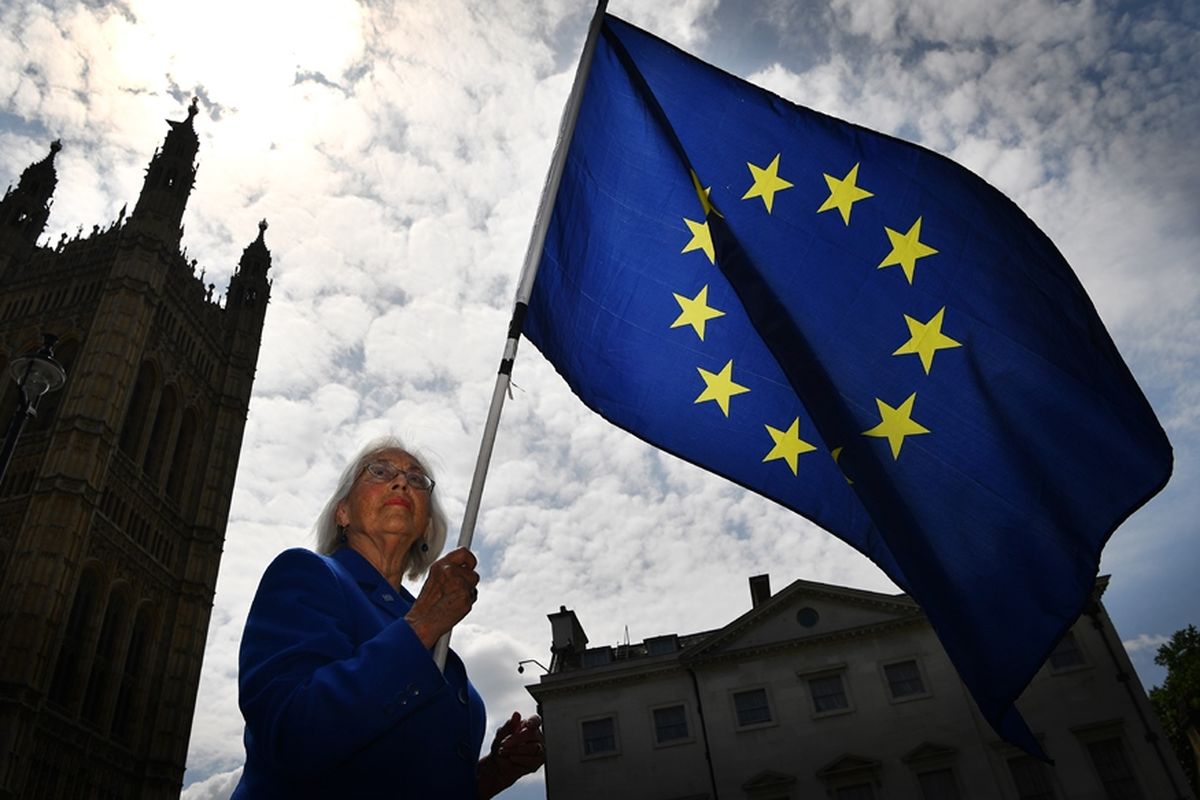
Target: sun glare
pixel 243 53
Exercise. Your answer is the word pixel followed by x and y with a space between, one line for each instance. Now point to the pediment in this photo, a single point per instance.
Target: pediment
pixel 929 751
pixel 804 610
pixel 767 779
pixel 848 764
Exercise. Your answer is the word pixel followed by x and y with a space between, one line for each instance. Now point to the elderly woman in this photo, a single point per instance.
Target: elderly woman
pixel 337 682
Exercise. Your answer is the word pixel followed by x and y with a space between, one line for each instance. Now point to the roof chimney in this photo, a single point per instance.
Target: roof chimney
pixel 566 633
pixel 760 590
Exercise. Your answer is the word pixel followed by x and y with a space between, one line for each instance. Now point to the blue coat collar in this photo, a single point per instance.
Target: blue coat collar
pixel 374 586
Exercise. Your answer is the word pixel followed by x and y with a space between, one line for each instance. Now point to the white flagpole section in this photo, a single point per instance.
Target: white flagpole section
pixel 537 238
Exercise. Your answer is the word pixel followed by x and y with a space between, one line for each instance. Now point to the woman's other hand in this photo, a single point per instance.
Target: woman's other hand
pixel 447 596
pixel 519 744
pixel 517 750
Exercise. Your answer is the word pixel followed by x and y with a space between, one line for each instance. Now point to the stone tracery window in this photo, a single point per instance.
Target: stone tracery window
pixel 160 435
pixel 132 431
pixel 68 668
pixel 180 469
pixel 129 704
pixel 104 662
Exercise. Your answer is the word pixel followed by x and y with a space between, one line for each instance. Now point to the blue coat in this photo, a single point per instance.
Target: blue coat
pixel 340 697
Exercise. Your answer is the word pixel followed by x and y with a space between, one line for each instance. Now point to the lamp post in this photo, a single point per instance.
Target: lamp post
pixel 36 374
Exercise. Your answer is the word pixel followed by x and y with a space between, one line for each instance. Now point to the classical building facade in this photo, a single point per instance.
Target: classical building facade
pixel 826 692
pixel 113 510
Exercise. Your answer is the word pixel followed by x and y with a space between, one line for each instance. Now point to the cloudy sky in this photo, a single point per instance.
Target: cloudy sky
pixel 398 151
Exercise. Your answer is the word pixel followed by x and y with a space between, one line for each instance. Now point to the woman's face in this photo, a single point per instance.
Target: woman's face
pixel 387 508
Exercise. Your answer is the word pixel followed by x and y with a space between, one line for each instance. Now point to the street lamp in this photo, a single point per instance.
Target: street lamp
pixel 521 665
pixel 36 374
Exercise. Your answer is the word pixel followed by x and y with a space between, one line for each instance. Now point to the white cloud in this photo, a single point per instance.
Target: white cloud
pixel 244 53
pixel 1145 641
pixel 682 23
pixel 215 787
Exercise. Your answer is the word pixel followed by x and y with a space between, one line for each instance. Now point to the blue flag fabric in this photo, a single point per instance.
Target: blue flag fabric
pixel 857 328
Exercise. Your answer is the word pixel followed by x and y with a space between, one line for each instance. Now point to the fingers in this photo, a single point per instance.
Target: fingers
pixel 455 572
pixel 510 726
pixel 447 596
pixel 524 748
pixel 462 557
pixel 515 724
pixel 524 762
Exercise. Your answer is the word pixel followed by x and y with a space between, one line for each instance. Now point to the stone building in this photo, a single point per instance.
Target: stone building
pixel 113 510
pixel 826 692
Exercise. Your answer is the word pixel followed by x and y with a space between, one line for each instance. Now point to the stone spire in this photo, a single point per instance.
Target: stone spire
pixel 169 180
pixel 25 209
pixel 249 288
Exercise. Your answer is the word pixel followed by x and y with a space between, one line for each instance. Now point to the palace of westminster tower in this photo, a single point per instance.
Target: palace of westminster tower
pixel 114 506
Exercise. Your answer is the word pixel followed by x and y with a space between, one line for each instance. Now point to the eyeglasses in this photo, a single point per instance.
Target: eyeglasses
pixel 386 472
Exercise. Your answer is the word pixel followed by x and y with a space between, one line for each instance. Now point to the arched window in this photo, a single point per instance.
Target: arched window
pixel 139 405
pixel 129 699
pixel 160 435
pixel 105 661
pixel 64 686
pixel 181 461
pixel 47 410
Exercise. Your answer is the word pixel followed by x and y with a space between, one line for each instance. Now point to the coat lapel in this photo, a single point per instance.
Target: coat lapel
pixel 393 603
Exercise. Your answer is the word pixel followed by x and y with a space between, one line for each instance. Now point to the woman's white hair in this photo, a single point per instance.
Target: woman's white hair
pixel 329 538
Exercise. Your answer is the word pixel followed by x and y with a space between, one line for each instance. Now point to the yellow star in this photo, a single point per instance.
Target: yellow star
pixel 906 249
pixel 705 195
pixel 701 240
pixel 837 459
pixel 766 183
pixel 695 312
pixel 720 386
pixel 788 445
pixel 844 193
pixel 926 338
pixel 896 423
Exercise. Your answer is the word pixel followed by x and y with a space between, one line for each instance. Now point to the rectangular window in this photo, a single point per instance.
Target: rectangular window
pixel 597 656
pixel 828 693
pixel 661 645
pixel 1031 778
pixel 1066 653
pixel 752 707
pixel 938 784
pixel 859 791
pixel 599 736
pixel 670 724
pixel 904 679
pixel 1108 756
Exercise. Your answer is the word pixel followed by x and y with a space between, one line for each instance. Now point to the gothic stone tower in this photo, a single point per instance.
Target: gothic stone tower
pixel 113 512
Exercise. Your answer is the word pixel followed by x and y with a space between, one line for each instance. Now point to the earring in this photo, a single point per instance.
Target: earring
pixel 424 547
pixel 341 532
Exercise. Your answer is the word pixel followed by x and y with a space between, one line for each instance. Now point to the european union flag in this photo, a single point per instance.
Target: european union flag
pixel 854 327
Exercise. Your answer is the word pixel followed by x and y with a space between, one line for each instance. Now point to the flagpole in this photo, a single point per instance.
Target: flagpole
pixel 537 238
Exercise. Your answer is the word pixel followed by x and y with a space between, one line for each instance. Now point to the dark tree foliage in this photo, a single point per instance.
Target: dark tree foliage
pixel 1177 701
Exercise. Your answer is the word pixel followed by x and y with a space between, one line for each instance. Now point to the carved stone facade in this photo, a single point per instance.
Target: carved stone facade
pixel 113 510
pixel 822 691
